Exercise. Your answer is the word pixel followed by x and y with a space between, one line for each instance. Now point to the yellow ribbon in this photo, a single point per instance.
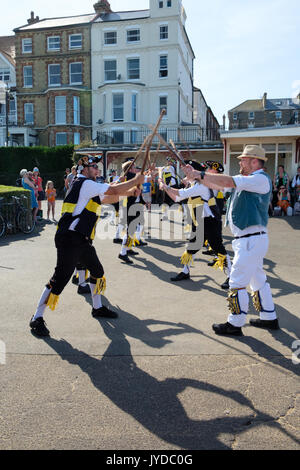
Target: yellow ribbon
pixel 220 262
pixel 187 258
pixel 100 286
pixel 52 301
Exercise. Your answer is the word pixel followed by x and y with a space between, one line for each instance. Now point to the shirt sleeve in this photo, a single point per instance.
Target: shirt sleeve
pixel 257 183
pixel 185 193
pixel 93 189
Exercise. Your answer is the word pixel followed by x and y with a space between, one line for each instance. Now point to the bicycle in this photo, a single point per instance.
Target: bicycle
pixel 24 218
pixel 18 217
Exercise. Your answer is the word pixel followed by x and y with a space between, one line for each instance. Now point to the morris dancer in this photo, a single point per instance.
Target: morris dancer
pixel 76 229
pixel 199 195
pixel 247 216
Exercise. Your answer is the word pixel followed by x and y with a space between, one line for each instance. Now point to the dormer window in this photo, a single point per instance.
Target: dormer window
pixel 235 116
pixel 251 115
pixel 278 115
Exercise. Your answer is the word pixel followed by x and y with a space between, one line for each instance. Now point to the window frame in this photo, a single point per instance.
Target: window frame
pixel 76 73
pixel 161 33
pixel 70 41
pixel 60 110
pixel 161 107
pixel 134 107
pixel 3 72
pixel 76 110
pixel 26 113
pixel 49 49
pixel 23 46
pixel 49 75
pixel 59 134
pixel 132 30
pixel 76 134
pixel 139 68
pixel 161 69
pixel 25 67
pixel 114 107
pixel 115 32
pixel 110 70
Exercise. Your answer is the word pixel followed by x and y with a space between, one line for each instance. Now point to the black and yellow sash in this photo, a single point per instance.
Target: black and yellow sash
pixel 87 219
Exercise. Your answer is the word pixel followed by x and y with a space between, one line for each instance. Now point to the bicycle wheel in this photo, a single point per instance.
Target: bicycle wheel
pixel 25 221
pixel 2 226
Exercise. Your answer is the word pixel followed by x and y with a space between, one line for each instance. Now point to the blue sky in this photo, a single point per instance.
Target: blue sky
pixel 243 48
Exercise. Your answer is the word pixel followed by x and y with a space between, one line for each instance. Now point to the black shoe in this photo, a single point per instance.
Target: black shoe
pixel 143 243
pixel 225 284
pixel 83 290
pixel 125 259
pixel 38 327
pixel 132 253
pixel 212 262
pixel 75 280
pixel 208 252
pixel 180 277
pixel 103 312
pixel 269 324
pixel 118 240
pixel 227 329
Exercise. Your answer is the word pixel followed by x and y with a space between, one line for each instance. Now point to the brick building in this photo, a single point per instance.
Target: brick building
pixel 265 113
pixel 53 78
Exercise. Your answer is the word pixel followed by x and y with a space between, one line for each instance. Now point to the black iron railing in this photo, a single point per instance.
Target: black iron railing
pixel 189 135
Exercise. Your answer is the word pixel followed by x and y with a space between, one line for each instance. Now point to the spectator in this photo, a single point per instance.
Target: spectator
pixel 51 195
pixel 280 179
pixel 295 185
pixel 27 183
pixel 69 179
pixel 67 172
pixel 147 194
pixel 40 193
pixel 284 199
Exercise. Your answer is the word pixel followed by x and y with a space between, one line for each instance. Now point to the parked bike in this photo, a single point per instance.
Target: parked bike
pixel 16 216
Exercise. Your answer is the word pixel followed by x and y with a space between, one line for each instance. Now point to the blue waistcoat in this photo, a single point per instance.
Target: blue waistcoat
pixel 249 208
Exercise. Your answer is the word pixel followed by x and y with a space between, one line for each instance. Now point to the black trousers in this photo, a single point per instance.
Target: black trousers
pixel 73 249
pixel 212 233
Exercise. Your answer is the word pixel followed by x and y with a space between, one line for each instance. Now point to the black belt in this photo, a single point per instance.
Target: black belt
pixel 251 235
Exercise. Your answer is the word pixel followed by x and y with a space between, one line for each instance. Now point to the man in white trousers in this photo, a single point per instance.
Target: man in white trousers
pixel 247 216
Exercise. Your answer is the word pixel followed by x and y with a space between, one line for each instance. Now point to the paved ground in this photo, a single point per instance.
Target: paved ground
pixel 158 377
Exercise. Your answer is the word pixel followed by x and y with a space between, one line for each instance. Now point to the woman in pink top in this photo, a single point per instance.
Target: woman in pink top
pixel 39 183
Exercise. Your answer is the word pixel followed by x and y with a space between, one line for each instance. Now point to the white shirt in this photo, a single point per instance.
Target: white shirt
pixel 194 191
pixel 257 182
pixel 89 189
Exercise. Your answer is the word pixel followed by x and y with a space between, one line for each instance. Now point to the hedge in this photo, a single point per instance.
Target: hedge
pixel 7 191
pixel 51 162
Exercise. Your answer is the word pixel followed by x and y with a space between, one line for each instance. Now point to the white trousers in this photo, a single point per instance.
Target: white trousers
pixel 247 269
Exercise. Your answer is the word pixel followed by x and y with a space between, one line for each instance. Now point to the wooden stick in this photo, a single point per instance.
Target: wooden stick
pixel 136 157
pixel 151 137
pixel 170 149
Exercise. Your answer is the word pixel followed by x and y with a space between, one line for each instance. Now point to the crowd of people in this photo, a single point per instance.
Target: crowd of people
pixel 32 181
pixel 285 198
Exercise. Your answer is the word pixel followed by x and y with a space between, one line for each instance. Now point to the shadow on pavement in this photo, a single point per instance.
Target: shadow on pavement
pixel 155 404
pixel 37 232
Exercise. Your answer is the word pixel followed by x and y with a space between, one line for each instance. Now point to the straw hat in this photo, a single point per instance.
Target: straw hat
pixel 254 151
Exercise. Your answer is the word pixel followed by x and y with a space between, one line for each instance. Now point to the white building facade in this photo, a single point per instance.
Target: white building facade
pixel 141 62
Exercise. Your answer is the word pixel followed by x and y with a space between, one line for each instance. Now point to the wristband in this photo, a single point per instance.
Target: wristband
pixel 202 174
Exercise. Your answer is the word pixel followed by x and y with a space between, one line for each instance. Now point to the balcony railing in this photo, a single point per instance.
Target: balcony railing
pixel 191 135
